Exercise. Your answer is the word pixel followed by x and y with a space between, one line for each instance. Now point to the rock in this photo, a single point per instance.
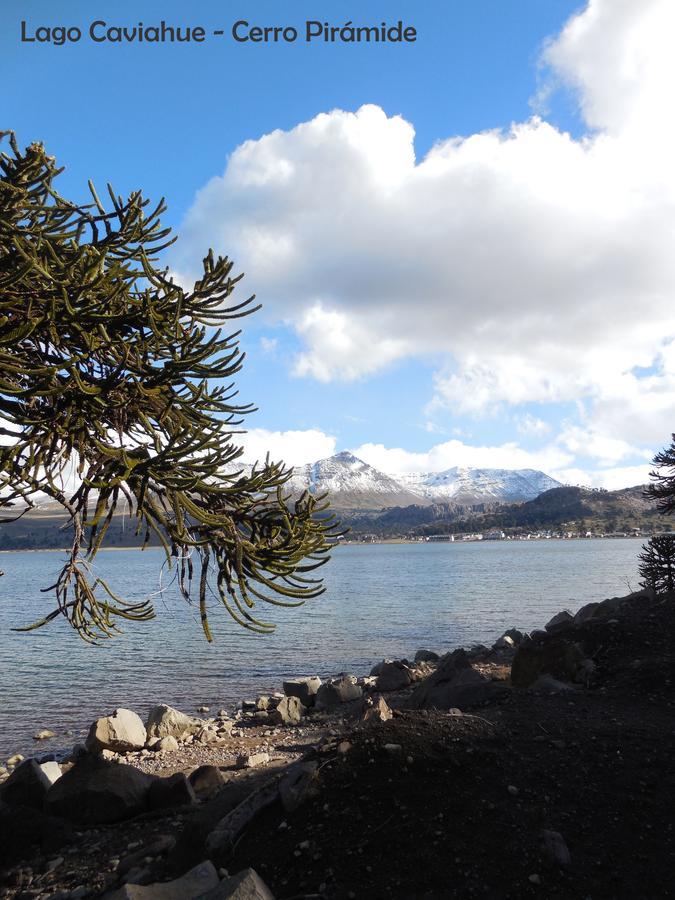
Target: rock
pixel 455 684
pixel 26 786
pixel 203 709
pixel 393 748
pixel 378 667
pixel 22 828
pixel 379 711
pixel 120 732
pixel 341 690
pixel 262 703
pixel 304 689
pixel 160 845
pixel 550 655
pixel 245 885
pixel 206 735
pixel 300 783
pixel 52 770
pixel 585 614
pixel 555 848
pixel 44 735
pixel 393 676
pixel 95 792
pixel 15 760
pixel 166 743
pixel 164 721
pixel 176 790
pixel 549 685
pixel 195 883
pixel 289 712
pixel 426 656
pixel 505 642
pixel 560 622
pixel 206 781
pixel 251 760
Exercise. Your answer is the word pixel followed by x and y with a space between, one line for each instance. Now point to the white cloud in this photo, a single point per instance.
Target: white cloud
pixel 457 453
pixel 291 447
pixel 268 345
pixel 531 426
pixel 611 478
pixel 541 265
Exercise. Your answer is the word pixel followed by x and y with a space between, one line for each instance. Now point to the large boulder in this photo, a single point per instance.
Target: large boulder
pixel 560 622
pixel 198 882
pixel 165 721
pixel 166 793
pixel 340 690
pixel 206 781
pixel 28 784
pixel 120 732
pixel 23 828
pixel 289 712
pixel 95 792
pixel 303 688
pixel 455 685
pixel 246 885
pixel 548 655
pixel 393 676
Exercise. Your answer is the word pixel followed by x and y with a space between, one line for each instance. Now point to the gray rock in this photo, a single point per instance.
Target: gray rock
pixel 426 656
pixel 505 642
pixel 44 735
pixel 195 883
pixel 206 781
pixel 299 784
pixel 289 712
pixel 455 684
pixel 166 793
pixel 303 688
pixel 393 676
pixel 166 743
pixel 164 720
pixel 120 732
pixel 560 622
pixel 159 846
pixel 95 792
pixel 586 613
pixel 377 711
pixel 555 848
pixel 251 760
pixel 245 885
pixel 52 770
pixel 26 786
pixel 554 656
pixel 341 690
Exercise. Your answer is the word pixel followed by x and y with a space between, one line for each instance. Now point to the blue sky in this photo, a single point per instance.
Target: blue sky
pixel 439 334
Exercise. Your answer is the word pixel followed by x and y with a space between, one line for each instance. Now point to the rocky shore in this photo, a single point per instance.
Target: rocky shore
pixel 540 766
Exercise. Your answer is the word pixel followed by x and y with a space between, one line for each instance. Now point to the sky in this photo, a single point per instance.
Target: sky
pixel 463 246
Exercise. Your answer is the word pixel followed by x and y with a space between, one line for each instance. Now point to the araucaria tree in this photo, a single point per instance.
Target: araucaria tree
pixel 657 563
pixel 662 488
pixel 115 394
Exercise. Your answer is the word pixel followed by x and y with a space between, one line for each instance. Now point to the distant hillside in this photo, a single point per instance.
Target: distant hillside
pixel 565 508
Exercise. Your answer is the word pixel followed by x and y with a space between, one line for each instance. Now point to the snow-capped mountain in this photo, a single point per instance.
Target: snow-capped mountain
pixel 352 483
pixel 466 486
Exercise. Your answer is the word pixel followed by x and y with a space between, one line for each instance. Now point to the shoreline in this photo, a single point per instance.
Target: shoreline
pixel 520 735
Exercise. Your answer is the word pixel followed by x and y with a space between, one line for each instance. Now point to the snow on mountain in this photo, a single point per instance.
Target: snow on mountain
pixel 352 483
pixel 464 486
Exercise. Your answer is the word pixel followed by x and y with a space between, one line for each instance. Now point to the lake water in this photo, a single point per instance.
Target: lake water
pixel 382 600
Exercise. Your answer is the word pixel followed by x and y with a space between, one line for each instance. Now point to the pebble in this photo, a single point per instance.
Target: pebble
pixel 393 748
pixel 513 790
pixel 534 878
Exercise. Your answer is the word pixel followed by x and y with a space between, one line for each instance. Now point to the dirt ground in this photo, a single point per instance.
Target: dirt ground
pixel 435 805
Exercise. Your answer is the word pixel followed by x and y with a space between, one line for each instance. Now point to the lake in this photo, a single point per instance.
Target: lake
pixel 382 600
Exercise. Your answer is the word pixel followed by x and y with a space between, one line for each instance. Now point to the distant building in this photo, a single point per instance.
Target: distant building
pixel 495 535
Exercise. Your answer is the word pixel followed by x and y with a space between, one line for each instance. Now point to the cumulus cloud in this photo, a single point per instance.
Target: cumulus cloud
pixel 539 266
pixel 292 447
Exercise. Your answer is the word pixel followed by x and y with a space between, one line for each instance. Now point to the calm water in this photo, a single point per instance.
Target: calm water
pixel 382 600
